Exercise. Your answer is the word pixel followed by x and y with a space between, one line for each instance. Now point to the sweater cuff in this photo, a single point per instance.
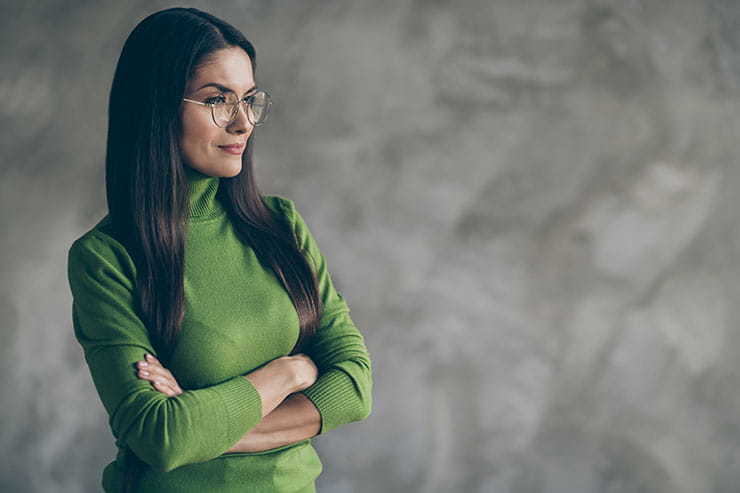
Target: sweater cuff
pixel 335 396
pixel 243 407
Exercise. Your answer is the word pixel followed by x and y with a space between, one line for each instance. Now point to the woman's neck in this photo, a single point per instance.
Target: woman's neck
pixel 202 190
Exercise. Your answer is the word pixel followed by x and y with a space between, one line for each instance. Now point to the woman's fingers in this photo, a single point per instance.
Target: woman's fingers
pixel 163 382
pixel 162 379
pixel 165 388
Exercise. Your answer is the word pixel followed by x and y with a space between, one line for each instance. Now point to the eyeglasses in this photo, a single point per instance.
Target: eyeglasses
pixel 225 107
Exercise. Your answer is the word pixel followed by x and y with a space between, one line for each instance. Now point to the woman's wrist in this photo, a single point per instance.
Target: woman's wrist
pixel 304 372
pixel 281 377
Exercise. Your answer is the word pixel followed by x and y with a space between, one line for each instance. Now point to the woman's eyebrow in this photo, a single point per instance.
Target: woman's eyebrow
pixel 224 88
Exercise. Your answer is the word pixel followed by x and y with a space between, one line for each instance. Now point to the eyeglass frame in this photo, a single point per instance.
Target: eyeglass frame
pixel 236 114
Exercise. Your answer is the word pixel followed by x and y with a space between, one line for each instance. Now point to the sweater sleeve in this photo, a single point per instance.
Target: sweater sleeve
pixel 166 433
pixel 343 391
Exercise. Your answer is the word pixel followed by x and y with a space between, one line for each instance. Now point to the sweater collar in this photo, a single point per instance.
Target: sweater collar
pixel 202 191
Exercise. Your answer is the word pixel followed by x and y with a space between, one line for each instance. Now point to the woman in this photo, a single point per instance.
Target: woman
pixel 215 338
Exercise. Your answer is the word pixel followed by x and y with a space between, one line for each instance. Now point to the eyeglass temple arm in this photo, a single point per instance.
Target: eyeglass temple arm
pixel 196 102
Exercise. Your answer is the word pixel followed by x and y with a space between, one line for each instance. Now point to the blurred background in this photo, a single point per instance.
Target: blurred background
pixel 530 206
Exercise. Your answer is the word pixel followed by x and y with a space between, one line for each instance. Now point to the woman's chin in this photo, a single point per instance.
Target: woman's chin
pixel 233 172
pixel 228 169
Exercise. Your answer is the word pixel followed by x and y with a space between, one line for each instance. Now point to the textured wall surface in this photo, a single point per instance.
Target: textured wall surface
pixel 531 207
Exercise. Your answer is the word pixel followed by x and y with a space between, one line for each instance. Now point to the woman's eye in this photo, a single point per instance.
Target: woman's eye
pixel 216 100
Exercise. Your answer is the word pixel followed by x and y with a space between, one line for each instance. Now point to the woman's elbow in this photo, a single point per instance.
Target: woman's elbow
pixel 163 440
pixel 160 459
pixel 365 397
pixel 162 463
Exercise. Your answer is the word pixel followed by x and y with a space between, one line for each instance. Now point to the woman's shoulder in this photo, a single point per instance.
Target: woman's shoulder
pixel 100 235
pixel 99 244
pixel 281 205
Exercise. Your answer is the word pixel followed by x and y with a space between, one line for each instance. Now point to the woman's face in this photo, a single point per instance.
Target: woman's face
pixel 212 150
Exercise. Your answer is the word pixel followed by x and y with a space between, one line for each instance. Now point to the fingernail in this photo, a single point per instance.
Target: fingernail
pixel 144 372
pixel 143 364
pixel 149 356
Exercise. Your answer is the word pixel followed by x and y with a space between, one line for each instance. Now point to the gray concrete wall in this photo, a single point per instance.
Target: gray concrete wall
pixel 531 207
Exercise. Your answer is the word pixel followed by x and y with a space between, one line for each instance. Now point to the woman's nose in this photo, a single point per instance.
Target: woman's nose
pixel 241 123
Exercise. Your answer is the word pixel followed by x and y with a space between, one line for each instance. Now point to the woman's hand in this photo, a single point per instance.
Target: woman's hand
pixel 152 370
pixel 301 367
pixel 281 377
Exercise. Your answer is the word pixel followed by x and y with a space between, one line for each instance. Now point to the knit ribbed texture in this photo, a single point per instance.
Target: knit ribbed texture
pixel 237 318
pixel 334 396
pixel 237 395
pixel 203 203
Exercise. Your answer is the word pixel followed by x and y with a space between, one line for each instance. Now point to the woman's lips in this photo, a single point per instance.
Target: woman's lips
pixel 233 148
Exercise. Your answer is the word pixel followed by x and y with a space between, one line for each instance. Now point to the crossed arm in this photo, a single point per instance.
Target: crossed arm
pixel 267 408
pixel 287 417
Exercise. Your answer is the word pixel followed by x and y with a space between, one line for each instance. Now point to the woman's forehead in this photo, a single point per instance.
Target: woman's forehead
pixel 230 67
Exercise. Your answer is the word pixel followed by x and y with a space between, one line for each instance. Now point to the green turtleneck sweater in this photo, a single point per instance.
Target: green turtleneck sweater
pixel 237 318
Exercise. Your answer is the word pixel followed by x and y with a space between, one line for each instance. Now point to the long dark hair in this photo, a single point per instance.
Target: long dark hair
pixel 146 187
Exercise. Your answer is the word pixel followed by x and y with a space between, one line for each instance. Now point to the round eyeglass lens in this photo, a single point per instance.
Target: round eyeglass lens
pixel 225 113
pixel 259 108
